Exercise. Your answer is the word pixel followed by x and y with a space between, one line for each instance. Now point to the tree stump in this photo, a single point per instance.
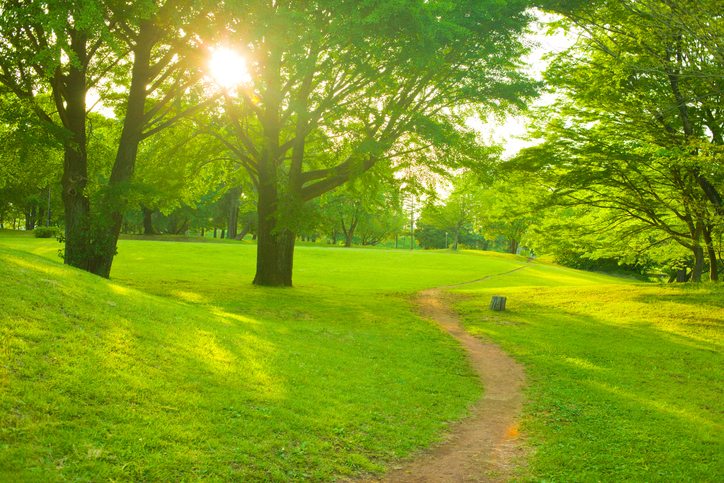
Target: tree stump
pixel 498 303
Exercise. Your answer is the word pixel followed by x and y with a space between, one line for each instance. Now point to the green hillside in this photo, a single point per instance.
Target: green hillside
pixel 178 369
pixel 107 383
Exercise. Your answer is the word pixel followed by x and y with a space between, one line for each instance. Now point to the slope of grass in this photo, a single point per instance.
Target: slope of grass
pixel 218 380
pixel 106 383
pixel 229 266
pixel 626 382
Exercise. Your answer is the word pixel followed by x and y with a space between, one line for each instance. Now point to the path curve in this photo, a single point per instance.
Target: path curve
pixel 484 447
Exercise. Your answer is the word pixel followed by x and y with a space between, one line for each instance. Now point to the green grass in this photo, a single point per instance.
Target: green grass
pixel 626 381
pixel 178 369
pixel 220 380
pixel 6 232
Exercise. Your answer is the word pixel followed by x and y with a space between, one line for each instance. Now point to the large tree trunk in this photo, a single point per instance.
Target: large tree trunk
pixel 75 166
pixel 113 204
pixel 275 249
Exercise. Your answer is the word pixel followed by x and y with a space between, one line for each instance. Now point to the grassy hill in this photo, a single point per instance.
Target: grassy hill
pixel 178 369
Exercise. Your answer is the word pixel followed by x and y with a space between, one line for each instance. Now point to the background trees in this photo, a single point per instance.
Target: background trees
pixel 138 55
pixel 341 104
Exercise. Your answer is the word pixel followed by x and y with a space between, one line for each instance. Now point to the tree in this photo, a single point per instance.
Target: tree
pixel 639 114
pixel 506 209
pixel 140 54
pixel 339 89
pixel 364 211
pixel 177 167
pixel 456 212
pixel 46 53
pixel 30 162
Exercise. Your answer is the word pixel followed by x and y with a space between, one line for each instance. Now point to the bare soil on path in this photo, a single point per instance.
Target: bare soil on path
pixel 484 447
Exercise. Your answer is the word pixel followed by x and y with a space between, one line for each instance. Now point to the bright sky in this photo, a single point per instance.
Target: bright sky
pixel 228 68
pixel 507 131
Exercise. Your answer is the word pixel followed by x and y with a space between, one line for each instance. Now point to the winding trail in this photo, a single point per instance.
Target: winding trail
pixel 484 447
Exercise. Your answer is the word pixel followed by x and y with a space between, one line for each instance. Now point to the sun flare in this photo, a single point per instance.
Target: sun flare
pixel 228 68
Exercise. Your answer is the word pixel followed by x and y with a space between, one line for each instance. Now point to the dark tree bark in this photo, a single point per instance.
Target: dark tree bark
pixel 275 245
pixel 113 206
pixel 244 231
pixel 275 248
pixel 349 232
pixel 682 275
pixel 75 162
pixel 233 215
pixel 711 253
pixel 147 221
pixel 31 215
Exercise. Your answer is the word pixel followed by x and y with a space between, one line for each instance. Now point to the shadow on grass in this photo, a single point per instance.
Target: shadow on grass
pixel 109 383
pixel 626 382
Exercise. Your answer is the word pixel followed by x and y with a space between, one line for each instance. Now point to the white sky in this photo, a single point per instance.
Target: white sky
pixel 507 131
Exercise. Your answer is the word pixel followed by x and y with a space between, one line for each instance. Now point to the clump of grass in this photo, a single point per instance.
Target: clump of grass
pixel 626 382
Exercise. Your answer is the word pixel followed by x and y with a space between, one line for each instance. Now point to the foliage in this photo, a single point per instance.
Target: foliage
pixel 386 87
pixel 430 237
pixel 46 232
pixel 364 212
pixel 53 52
pixel 455 212
pixel 628 141
pixel 506 209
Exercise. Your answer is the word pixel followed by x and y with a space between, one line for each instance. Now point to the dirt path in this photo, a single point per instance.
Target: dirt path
pixel 485 447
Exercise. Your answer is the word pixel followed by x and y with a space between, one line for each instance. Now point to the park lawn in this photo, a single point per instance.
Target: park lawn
pixel 219 380
pixel 626 381
pixel 336 377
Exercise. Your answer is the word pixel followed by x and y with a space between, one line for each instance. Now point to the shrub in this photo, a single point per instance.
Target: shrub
pixel 46 232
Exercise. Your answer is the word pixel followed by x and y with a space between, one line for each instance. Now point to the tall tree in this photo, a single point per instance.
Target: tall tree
pixel 340 88
pixel 51 49
pixel 456 212
pixel 506 209
pixel 641 109
pixel 141 54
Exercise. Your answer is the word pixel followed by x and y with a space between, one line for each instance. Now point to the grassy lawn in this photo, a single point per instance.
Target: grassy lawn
pixel 626 382
pixel 218 380
pixel 178 369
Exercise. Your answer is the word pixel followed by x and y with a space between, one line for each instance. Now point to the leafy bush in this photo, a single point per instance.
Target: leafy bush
pixel 46 232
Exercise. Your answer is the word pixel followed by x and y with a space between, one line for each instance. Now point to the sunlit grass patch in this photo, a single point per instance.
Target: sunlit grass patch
pixel 239 384
pixel 626 381
pixel 179 369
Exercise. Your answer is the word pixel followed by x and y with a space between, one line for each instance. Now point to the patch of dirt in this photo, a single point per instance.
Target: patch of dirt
pixel 486 446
